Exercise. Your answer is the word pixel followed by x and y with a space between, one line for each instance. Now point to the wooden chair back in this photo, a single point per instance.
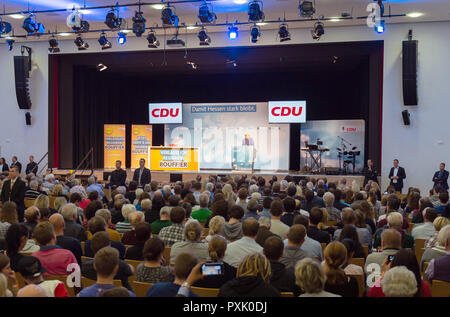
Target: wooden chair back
pixel 287 294
pixel 85 282
pixel 29 202
pixel 440 289
pixel 140 288
pixel 85 258
pixel 366 250
pixel 134 263
pixel 167 254
pixel 20 280
pixel 419 248
pixel 205 292
pixel 82 243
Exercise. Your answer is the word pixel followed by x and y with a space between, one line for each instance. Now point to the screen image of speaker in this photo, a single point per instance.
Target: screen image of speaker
pixel 410 52
pixel 22 76
pixel 406 120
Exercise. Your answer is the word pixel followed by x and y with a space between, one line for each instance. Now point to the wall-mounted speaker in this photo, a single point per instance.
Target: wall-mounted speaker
pixel 405 115
pixel 22 76
pixel 176 177
pixel 409 69
pixel 28 118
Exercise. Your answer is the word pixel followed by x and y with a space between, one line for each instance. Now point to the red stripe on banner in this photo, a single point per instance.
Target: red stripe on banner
pixel 56 112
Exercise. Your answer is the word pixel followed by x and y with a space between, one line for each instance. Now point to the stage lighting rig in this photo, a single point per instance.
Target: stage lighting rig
pixel 206 15
pixel 152 40
pixel 10 43
pixel 168 16
pixel 53 42
pixel 76 22
pixel 255 33
pixel 283 33
pixel 255 13
pixel 122 39
pixel 307 9
pixel 31 26
pixel 5 27
pixel 318 31
pixel 112 20
pixel 138 24
pixel 203 37
pixel 232 32
pixel 81 44
pixel 103 41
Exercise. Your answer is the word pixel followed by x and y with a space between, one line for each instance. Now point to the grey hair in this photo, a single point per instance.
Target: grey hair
pixel 147 188
pixel 253 189
pixel 122 190
pixel 69 211
pixel 34 184
pixel 165 211
pixel 104 213
pixel 328 199
pixel 203 200
pixel 284 184
pixel 92 180
pixel 127 209
pixel 209 187
pixel 399 282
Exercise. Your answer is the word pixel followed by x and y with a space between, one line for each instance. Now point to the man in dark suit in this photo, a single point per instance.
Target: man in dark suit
pixel 32 167
pixel 142 175
pixel 370 173
pixel 440 177
pixel 15 162
pixel 397 175
pixel 3 166
pixel 14 190
pixel 118 176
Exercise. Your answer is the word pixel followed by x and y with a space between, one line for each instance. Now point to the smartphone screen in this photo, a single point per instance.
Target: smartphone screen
pixel 390 258
pixel 212 269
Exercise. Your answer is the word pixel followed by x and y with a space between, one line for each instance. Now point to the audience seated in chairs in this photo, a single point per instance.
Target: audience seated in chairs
pixel 143 232
pixel 310 277
pixel 97 224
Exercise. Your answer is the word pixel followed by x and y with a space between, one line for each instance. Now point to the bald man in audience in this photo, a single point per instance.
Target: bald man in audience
pixel 31 291
pixel 293 252
pixel 65 242
pixel 391 243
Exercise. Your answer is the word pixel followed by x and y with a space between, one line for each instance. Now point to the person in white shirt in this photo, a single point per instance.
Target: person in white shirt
pixel 278 227
pixel 425 230
pixel 238 250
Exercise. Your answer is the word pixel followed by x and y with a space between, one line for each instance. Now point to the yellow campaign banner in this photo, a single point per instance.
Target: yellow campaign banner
pixel 114 145
pixel 173 159
pixel 141 140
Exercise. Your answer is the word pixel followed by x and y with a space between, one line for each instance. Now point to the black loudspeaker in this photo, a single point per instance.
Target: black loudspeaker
pixel 22 75
pixel 176 177
pixel 331 170
pixel 405 114
pixel 410 53
pixel 28 118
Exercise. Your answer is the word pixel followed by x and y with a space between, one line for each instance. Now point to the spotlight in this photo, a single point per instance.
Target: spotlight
pixel 53 45
pixel 168 17
pixel 103 41
pixel 10 43
pixel 232 32
pixel 203 37
pixel 380 27
pixel 75 21
pixel 113 21
pixel 206 15
pixel 318 31
pixel 255 34
pixel 122 38
pixel 5 27
pixel 306 9
pixel 283 32
pixel 31 26
pixel 81 44
pixel 138 24
pixel 101 67
pixel 255 12
pixel 152 40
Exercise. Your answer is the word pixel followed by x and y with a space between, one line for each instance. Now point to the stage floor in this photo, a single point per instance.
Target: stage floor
pixel 164 176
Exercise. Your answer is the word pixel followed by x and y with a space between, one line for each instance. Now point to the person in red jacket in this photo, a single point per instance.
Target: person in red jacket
pixel 407 258
pixel 31 270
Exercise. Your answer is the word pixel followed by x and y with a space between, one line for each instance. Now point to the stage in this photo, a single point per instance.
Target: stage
pixel 164 177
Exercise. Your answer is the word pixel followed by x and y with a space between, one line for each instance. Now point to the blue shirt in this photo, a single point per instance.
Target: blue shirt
pixel 265 213
pixel 96 188
pixel 250 214
pixel 96 289
pixel 440 209
pixel 167 289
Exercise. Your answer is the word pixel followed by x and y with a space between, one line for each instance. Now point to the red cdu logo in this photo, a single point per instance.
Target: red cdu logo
pixel 166 113
pixel 287 111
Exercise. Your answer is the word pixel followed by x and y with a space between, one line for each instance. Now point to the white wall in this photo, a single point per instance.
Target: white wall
pixel 420 147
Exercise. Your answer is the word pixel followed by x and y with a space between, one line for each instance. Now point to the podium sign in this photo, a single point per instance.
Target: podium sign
pixel 141 140
pixel 166 158
pixel 243 157
pixel 114 145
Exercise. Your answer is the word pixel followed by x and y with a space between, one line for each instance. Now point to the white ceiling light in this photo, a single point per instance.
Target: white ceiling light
pixel 16 16
pixel 261 23
pixel 191 27
pixel 335 20
pixel 157 6
pixel 64 34
pixel 414 14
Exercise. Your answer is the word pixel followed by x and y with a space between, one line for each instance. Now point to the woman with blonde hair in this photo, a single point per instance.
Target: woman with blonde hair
pixel 58 191
pixel 192 243
pixel 59 203
pixel 323 224
pixel 374 202
pixel 338 282
pixel 252 279
pixel 228 193
pixel 215 227
pixel 438 249
pixel 438 223
pixel 129 237
pixel 310 277
pixel 42 201
pixel 217 248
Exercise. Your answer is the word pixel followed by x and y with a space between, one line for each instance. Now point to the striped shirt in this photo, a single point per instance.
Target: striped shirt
pixel 123 226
